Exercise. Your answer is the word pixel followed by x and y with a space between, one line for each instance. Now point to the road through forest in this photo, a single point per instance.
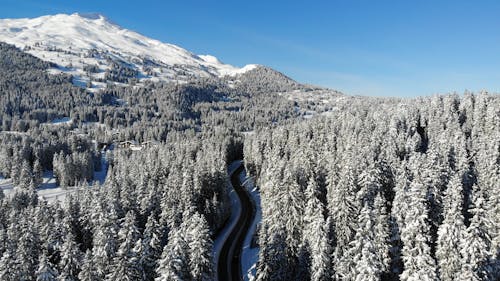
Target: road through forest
pixel 229 264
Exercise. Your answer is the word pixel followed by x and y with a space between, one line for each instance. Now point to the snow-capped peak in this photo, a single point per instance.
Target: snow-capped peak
pixel 210 59
pixel 91 16
pixel 78 40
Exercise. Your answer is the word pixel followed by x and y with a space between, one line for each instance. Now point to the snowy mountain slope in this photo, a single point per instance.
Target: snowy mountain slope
pixel 93 49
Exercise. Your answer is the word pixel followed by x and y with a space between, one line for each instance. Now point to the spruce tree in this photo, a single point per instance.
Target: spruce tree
pixel 475 247
pixel 151 247
pixel 418 261
pixel 316 235
pixel 27 254
pixel 174 262
pixel 37 173
pixel 125 266
pixel 71 258
pixel 451 231
pixel 199 243
pixel 105 243
pixel 25 176
pixel 46 270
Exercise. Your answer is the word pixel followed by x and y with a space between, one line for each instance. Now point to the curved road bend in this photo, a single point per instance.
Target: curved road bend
pixel 229 268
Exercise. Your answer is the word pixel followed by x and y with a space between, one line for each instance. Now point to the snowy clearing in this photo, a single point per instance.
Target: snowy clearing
pixel 62 121
pixel 49 191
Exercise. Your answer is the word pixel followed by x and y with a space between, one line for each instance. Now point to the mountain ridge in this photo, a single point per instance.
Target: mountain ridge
pixel 80 42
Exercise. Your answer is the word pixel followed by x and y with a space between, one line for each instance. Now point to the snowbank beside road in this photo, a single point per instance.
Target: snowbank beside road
pixel 250 255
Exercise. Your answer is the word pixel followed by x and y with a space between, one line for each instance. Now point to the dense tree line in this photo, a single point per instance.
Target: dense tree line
pixel 153 218
pixel 264 80
pixel 156 213
pixel 28 91
pixel 31 97
pixel 119 72
pixel 382 190
pixel 72 158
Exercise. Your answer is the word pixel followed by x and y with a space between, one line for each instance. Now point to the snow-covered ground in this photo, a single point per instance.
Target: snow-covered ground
pixel 5 185
pixel 250 255
pixel 235 213
pixel 48 189
pixel 62 121
pixel 100 176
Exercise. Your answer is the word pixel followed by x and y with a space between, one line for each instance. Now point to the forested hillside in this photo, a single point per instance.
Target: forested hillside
pixel 154 216
pixel 382 190
pixel 352 188
pixel 164 147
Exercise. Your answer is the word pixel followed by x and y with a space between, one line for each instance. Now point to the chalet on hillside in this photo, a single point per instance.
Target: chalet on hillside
pixel 128 144
pixel 134 145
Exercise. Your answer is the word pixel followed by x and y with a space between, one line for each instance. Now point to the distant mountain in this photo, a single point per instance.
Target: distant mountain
pixel 97 51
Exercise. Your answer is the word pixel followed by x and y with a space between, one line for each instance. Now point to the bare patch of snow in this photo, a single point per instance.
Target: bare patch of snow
pixel 6 185
pixel 49 190
pixel 62 121
pixel 100 176
pixel 80 81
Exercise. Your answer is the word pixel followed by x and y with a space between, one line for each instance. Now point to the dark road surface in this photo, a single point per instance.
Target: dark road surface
pixel 229 268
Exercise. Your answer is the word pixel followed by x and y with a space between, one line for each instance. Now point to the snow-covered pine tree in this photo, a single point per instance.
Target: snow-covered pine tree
pixel 365 264
pixel 125 266
pixel 28 250
pixel 273 259
pixel 292 208
pixel 475 247
pixel 450 232
pixel 105 243
pixel 316 236
pixel 25 176
pixel 17 164
pixel 343 204
pixel 200 245
pixel 382 233
pixel 88 273
pixel 174 262
pixel 416 252
pixel 46 270
pixel 37 173
pixel 71 258
pixel 151 247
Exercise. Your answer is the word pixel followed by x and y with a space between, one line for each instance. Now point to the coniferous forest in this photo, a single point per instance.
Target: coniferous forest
pixel 387 190
pixel 362 188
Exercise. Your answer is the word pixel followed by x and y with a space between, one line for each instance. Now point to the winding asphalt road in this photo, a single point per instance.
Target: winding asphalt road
pixel 229 266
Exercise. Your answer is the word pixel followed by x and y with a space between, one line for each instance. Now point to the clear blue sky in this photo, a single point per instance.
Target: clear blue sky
pixel 382 48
